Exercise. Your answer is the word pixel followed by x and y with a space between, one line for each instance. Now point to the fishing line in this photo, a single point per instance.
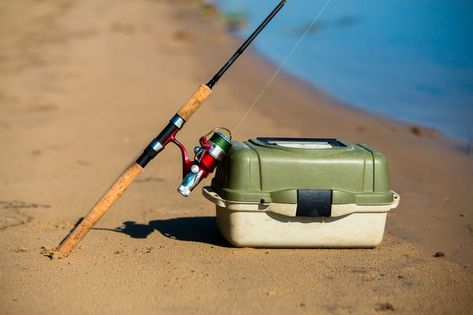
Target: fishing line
pixel 275 74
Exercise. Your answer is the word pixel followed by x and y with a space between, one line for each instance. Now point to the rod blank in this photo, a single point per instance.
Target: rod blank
pixel 247 42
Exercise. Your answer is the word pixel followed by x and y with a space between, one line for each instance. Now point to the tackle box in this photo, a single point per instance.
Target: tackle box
pixel 291 192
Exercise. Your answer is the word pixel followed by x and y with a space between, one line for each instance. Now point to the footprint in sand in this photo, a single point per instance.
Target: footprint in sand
pixel 123 28
pixel 183 36
pixel 44 107
pixel 11 213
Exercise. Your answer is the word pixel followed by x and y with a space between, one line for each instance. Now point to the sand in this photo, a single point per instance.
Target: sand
pixel 85 85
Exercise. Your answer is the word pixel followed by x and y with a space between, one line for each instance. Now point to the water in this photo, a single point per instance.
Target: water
pixel 410 60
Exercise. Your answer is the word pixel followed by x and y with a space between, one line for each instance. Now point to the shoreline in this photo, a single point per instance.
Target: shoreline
pixel 324 96
pixel 446 128
pixel 461 143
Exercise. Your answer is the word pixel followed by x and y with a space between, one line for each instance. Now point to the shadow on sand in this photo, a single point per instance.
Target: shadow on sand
pixel 191 229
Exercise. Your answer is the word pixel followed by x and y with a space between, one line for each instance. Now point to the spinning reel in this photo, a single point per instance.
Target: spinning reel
pixel 210 152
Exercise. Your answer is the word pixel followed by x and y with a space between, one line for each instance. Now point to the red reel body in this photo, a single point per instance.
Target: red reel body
pixel 207 156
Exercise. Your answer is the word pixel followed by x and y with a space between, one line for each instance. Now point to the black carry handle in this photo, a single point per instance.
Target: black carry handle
pixel 314 203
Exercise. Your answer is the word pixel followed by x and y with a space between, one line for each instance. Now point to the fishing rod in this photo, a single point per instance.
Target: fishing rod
pixel 207 156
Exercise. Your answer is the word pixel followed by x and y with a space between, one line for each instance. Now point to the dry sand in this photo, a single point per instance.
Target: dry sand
pixel 85 85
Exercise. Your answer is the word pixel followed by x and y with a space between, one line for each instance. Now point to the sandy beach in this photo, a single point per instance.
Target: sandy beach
pixel 85 85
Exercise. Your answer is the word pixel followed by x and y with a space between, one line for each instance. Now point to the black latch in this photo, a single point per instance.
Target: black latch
pixel 314 203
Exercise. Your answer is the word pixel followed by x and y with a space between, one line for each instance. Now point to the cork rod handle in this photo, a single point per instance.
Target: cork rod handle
pixel 97 212
pixel 196 100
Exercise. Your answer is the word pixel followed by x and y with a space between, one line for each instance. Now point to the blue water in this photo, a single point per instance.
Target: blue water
pixel 410 60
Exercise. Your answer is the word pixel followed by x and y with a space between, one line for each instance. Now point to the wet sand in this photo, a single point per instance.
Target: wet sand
pixel 85 85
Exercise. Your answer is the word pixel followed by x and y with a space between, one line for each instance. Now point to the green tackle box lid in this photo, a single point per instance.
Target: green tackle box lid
pixel 277 169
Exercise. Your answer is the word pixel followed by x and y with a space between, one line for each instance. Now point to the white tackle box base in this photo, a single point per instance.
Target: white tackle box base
pixel 272 226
